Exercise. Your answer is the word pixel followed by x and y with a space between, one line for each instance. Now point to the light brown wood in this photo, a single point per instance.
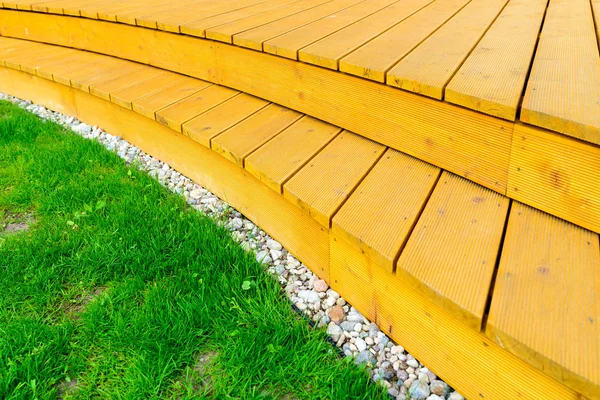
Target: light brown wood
pixel 546 308
pixel 324 184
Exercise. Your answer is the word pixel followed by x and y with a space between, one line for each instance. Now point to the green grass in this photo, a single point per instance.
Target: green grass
pixel 119 290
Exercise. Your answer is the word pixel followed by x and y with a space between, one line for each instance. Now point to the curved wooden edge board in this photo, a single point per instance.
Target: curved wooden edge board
pixel 489 372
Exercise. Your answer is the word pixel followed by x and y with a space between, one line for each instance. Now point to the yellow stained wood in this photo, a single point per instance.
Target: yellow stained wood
pixel 280 158
pixel 489 372
pixel 237 143
pixel 546 307
pixel 172 22
pixel 54 7
pixel 176 114
pixel 198 27
pixel 383 210
pixel 93 11
pixel 324 184
pixel 75 8
pixel 462 141
pixel 23 55
pixel 112 10
pixel 451 254
pixel 492 78
pixel 429 67
pixel 433 335
pixel 105 88
pixel 596 12
pixel 329 50
pixel 255 37
pixel 228 114
pixel 147 18
pixel 376 57
pixel 288 44
pixel 128 16
pixel 84 81
pixel 8 45
pixel 157 100
pixel 72 66
pixel 124 97
pixel 225 32
pixel 556 174
pixel 15 4
pixel 563 90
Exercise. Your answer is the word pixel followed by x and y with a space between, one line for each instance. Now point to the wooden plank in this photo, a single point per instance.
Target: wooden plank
pixel 198 27
pixel 563 90
pixel 434 336
pixel 376 57
pixel 176 114
pixel 428 68
pixel 288 45
pixel 94 11
pixel 546 308
pixel 382 212
pixel 451 254
pixel 462 141
pixel 151 103
pixel 124 97
pixel 596 12
pixel 84 81
pixel 492 78
pixel 280 158
pixel 325 183
pixel 225 32
pixel 105 88
pixel 241 140
pixel 74 9
pixel 17 54
pixel 72 66
pixel 255 37
pixel 128 16
pixel 15 4
pixel 556 174
pixel 110 13
pixel 208 125
pixel 329 50
pixel 186 15
pixel 147 18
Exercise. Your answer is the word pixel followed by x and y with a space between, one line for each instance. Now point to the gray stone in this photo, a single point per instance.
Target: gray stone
pixel 360 344
pixel 237 223
pixel 347 326
pixel 355 317
pixel 412 363
pixel 263 257
pixel 419 390
pixel 365 357
pixel 435 397
pixel 455 396
pixel 274 245
pixel 309 296
pixel 402 375
pixel 334 330
pixel 439 388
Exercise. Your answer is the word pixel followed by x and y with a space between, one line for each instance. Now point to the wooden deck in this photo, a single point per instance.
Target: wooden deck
pixel 498 298
pixel 451 193
pixel 513 104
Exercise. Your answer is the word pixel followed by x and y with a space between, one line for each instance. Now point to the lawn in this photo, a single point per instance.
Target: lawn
pixel 112 287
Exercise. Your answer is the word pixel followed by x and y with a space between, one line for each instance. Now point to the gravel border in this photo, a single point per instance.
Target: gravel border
pixel 356 336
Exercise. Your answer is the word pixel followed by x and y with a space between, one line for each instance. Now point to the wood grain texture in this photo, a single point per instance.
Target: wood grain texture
pixel 375 58
pixel 254 38
pixel 451 254
pixel 428 68
pixel 157 100
pixel 492 78
pixel 198 27
pixel 563 90
pixel 240 141
pixel 124 97
pixel 288 45
pixel 208 125
pixel 280 158
pixel 105 88
pixel 464 142
pixel 178 113
pixel 323 185
pixel 329 50
pixel 434 336
pixel 556 174
pixel 546 307
pixel 381 213
pixel 87 79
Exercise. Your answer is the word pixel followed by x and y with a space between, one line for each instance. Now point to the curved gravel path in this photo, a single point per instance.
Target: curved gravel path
pixel 356 336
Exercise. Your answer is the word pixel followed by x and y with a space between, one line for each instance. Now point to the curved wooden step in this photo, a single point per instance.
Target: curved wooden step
pixel 541 168
pixel 415 248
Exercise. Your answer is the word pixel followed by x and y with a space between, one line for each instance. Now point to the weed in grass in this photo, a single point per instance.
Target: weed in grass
pixel 178 287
